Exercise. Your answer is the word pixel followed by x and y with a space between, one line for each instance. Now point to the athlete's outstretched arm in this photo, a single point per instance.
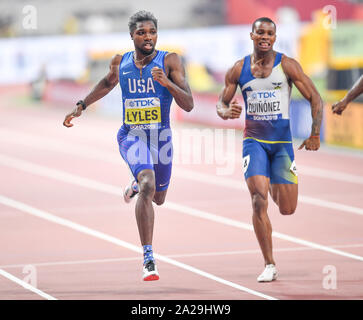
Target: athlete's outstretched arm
pixel 176 82
pixel 306 87
pixel 354 92
pixel 100 90
pixel 225 108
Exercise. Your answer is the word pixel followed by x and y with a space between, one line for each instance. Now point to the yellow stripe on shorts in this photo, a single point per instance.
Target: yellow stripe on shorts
pixel 266 141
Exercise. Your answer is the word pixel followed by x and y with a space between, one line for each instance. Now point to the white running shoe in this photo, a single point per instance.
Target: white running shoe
pixel 269 274
pixel 130 191
pixel 150 272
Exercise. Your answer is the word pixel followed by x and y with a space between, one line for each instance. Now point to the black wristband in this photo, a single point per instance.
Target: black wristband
pixel 81 102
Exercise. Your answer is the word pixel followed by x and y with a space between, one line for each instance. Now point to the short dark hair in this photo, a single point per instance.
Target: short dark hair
pixel 262 19
pixel 141 16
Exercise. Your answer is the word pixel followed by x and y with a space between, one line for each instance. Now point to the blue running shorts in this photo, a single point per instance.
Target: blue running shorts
pixel 148 150
pixel 271 159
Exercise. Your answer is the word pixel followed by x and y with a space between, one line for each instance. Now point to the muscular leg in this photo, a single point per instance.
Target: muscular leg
pixel 159 197
pixel 285 196
pixel 144 209
pixel 258 187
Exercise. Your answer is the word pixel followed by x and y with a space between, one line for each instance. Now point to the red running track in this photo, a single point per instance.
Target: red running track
pixel 63 218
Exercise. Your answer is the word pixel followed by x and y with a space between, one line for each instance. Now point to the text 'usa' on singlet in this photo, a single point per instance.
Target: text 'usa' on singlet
pixel 267 103
pixel 145 102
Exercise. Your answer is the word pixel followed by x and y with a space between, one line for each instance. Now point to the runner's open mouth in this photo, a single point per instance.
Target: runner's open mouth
pixel 148 45
pixel 264 44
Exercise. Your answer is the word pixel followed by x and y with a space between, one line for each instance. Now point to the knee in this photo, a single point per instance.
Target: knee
pixel 259 203
pixel 286 211
pixel 147 186
pixel 159 201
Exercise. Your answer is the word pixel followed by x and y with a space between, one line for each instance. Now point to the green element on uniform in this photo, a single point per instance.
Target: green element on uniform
pixel 284 170
pixel 277 85
pixel 266 141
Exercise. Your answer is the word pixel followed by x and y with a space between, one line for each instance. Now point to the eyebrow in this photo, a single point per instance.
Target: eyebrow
pixel 259 28
pixel 259 25
pixel 143 28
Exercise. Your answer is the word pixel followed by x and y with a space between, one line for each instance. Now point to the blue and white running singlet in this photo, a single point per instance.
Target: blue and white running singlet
pixel 267 143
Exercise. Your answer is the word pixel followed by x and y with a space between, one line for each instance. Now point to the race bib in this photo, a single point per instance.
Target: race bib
pixel 142 111
pixel 246 162
pixel 264 105
pixel 293 168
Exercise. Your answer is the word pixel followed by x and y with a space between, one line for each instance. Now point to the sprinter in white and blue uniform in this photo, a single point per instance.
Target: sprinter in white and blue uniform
pixel 267 143
pixel 265 78
pixel 149 80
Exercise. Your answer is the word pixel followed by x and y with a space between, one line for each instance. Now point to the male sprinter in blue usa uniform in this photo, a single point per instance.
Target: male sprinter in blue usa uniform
pixel 149 80
pixel 265 78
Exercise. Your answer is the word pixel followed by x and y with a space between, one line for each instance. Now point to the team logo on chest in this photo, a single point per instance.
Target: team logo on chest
pixel 141 85
pixel 277 85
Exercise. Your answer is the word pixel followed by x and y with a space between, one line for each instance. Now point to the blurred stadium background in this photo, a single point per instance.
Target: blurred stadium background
pixel 53 52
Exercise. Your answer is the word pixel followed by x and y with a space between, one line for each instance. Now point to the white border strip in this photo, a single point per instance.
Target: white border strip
pixel 82 151
pixel 181 255
pixel 107 188
pixel 97 234
pixel 26 285
pixel 61 146
pixel 179 172
pixel 241 225
pixel 239 185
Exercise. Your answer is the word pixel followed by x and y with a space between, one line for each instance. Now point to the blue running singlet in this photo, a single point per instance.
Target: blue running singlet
pixel 145 140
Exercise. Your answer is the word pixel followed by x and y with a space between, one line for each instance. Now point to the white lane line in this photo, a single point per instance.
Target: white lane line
pixel 57 145
pixel 313 171
pixel 100 235
pixel 60 263
pixel 329 174
pixel 239 185
pixel 49 144
pixel 181 255
pixel 60 146
pixel 107 188
pixel 26 285
pixel 237 224
pixel 33 168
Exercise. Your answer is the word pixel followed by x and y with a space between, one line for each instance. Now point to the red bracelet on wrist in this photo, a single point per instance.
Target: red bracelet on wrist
pixel 314 136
